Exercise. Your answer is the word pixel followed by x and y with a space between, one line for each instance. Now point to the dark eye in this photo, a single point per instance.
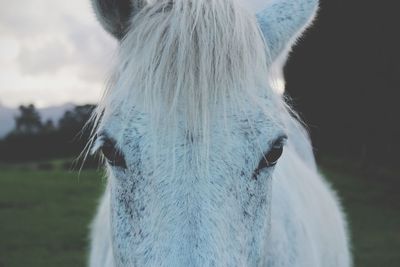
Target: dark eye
pixel 112 154
pixel 274 154
pixel 270 158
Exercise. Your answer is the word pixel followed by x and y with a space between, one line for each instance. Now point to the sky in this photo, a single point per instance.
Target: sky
pixel 54 52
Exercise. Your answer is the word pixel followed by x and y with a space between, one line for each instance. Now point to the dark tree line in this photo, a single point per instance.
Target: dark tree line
pixel 344 78
pixel 33 139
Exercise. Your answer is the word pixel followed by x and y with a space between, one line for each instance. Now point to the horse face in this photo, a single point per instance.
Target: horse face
pixel 167 211
pixel 194 190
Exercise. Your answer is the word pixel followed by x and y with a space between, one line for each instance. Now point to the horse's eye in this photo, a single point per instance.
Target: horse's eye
pixel 270 158
pixel 113 155
pixel 274 154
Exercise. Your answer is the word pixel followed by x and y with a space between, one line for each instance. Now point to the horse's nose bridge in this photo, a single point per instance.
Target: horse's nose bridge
pixel 194 224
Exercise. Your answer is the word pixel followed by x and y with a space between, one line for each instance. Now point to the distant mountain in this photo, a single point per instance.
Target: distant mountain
pixel 6 119
pixel 7 116
pixel 55 113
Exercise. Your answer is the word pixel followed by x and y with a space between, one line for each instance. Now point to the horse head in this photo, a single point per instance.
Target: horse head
pixel 191 130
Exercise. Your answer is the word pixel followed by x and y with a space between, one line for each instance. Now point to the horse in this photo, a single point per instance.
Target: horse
pixel 206 164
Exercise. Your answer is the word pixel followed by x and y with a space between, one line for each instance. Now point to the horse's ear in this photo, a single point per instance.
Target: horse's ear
pixel 283 21
pixel 115 15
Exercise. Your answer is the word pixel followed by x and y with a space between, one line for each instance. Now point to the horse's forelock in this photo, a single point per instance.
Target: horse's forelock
pixel 182 62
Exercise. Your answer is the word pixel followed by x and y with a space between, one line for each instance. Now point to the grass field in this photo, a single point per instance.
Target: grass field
pixel 44 215
pixel 372 204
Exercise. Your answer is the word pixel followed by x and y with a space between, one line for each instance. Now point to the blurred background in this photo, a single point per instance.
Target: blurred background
pixel 343 77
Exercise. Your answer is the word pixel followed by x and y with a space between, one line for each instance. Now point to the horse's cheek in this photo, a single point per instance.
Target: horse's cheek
pixel 124 217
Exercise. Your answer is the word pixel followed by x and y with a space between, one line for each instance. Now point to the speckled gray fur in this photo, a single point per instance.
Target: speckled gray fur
pixel 164 209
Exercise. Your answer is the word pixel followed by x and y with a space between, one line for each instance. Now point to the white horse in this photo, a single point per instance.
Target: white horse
pixel 206 164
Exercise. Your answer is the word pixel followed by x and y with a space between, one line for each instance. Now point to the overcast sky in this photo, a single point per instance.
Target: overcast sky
pixel 53 52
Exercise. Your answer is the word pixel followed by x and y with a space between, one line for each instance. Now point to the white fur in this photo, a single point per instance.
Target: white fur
pixel 192 111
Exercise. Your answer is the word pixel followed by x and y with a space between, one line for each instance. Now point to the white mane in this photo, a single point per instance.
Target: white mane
pixel 173 63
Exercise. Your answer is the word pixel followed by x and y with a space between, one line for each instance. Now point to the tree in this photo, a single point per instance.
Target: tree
pixel 74 120
pixel 48 127
pixel 34 140
pixel 28 122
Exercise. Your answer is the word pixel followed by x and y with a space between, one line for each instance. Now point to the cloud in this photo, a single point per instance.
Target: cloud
pixel 92 48
pixel 48 58
pixel 51 52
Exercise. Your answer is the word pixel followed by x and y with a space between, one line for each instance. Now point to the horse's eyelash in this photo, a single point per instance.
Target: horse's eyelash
pixel 97 144
pixel 101 139
pixel 281 140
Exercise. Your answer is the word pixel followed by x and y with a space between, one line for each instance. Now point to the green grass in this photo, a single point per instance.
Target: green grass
pixel 44 215
pixel 372 204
